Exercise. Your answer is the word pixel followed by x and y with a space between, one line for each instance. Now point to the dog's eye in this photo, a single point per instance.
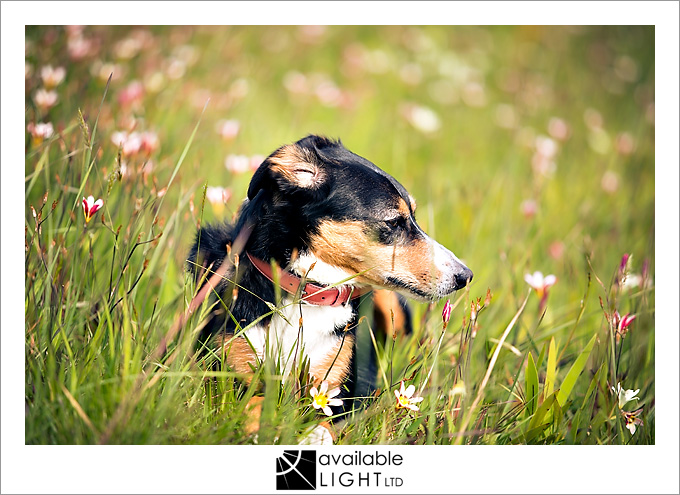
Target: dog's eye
pixel 395 223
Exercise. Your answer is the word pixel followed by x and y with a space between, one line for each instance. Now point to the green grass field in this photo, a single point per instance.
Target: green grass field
pixel 527 149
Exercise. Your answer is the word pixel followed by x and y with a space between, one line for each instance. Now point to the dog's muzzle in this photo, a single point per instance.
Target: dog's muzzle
pixel 453 274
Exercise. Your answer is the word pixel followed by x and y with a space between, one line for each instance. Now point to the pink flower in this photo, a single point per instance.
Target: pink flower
pixel 556 250
pixel 149 142
pixel 52 77
pixel 132 144
pixel 127 48
pixel 558 129
pixel 625 144
pixel 312 33
pixel 228 129
pixel 623 266
pixel 237 164
pixel 147 168
pixel 543 160
pixel 176 68
pixel 79 47
pixel 328 93
pixel 90 207
pixel 446 312
pixel 131 94
pixel 323 398
pixel 295 82
pixel 255 162
pixel 529 208
pixel 45 99
pixel 405 399
pixel 610 182
pixel 217 196
pixel 40 131
pixel 622 322
pixel 74 31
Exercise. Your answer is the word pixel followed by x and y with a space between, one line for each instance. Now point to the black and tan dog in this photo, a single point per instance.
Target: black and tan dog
pixel 338 226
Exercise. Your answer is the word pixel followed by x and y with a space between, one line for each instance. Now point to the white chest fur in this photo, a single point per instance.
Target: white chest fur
pixel 287 342
pixel 317 338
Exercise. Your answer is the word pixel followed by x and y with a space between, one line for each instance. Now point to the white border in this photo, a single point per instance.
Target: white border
pixel 433 469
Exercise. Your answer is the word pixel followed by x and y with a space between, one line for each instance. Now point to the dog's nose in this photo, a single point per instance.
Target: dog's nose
pixel 462 277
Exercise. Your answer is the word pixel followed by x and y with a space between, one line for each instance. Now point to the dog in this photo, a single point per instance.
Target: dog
pixel 329 227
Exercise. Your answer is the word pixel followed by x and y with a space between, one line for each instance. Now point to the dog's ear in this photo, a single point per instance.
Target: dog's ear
pixel 291 168
pixel 297 166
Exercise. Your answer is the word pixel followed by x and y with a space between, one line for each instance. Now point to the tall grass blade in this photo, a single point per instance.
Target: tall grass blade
pixel 551 370
pixel 531 381
pixel 574 372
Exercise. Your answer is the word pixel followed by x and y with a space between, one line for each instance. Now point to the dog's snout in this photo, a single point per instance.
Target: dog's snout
pixel 454 275
pixel 463 277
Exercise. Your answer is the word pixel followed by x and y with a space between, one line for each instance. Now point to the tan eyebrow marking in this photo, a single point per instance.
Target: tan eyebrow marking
pixel 412 200
pixel 403 208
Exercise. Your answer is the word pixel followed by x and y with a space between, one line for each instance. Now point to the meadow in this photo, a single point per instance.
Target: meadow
pixel 528 149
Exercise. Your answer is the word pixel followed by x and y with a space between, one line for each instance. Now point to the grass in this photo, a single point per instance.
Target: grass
pixel 526 148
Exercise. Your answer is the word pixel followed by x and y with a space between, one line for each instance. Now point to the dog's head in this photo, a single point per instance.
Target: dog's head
pixel 354 217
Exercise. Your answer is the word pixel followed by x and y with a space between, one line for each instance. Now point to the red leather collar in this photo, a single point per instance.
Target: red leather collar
pixel 311 293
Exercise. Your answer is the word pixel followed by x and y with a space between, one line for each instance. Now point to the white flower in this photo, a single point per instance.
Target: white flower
pixel 228 129
pixel 52 77
pixel 545 146
pixel 217 195
pixel 45 99
pixel 317 435
pixel 405 398
pixel 540 283
pixel 633 419
pixel 118 138
pixel 237 164
pixel 40 131
pixel 90 207
pixel 624 396
pixel 422 118
pixel 323 398
pixel 132 144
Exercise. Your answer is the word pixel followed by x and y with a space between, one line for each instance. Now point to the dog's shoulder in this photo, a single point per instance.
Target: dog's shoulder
pixel 210 246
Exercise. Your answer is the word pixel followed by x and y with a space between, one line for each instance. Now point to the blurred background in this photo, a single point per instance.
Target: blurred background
pixel 527 148
pixel 519 143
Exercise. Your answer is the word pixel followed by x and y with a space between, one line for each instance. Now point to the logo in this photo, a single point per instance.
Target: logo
pixel 296 470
